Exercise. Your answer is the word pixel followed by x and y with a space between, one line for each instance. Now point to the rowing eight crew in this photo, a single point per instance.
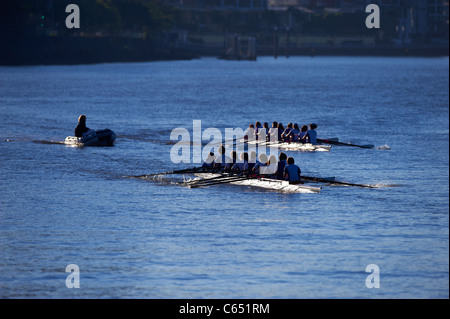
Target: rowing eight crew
pixel 282 169
pixel 277 132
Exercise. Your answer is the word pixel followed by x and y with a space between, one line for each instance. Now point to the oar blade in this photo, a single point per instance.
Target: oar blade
pixel 181 171
pixel 217 182
pixel 333 181
pixel 336 142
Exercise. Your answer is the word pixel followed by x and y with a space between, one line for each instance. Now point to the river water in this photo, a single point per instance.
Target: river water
pixel 136 238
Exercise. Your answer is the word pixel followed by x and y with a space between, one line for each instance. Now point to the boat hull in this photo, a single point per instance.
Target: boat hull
pixel 268 183
pixel 104 137
pixel 294 146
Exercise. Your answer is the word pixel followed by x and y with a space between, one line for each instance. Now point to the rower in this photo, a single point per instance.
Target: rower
pixel 286 132
pixel 303 135
pixel 273 132
pixel 82 130
pixel 271 167
pixel 250 133
pixel 240 165
pixel 312 133
pixel 248 167
pixel 292 172
pixel 258 127
pixel 231 161
pixel 209 162
pixel 293 134
pixel 262 133
pixel 222 159
pixel 280 131
pixel 281 165
pixel 260 164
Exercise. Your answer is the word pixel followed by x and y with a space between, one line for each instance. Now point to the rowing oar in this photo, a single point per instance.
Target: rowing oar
pixel 205 180
pixel 225 141
pixel 213 181
pixel 328 141
pixel 330 181
pixel 181 171
pixel 258 143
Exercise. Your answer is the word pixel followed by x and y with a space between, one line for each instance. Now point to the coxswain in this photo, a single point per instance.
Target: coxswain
pixel 81 129
pixel 292 172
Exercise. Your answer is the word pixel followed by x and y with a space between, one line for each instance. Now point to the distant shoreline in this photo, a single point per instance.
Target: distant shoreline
pixel 84 50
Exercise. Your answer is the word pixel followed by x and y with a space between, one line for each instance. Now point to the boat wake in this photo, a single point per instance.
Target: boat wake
pixel 48 142
pixel 382 185
pixel 159 179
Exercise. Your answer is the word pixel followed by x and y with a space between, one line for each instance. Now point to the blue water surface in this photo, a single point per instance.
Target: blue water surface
pixel 135 238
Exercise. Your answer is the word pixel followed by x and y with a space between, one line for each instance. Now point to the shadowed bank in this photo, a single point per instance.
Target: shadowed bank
pixel 35 31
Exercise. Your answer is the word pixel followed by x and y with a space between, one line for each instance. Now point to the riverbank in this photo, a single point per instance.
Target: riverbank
pixel 48 50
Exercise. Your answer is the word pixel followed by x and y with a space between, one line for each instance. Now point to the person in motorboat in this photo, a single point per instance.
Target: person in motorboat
pixel 292 172
pixel 303 135
pixel 312 134
pixel 239 166
pixel 85 136
pixel 82 130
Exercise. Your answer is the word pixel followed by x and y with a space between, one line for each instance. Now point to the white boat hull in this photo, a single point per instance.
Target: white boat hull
pixel 294 146
pixel 268 183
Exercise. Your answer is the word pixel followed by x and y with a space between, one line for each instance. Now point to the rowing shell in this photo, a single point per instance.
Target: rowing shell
pixel 294 146
pixel 268 183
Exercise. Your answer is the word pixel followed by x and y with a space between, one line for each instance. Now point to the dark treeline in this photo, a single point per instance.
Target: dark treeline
pixel 110 17
pixel 118 17
pixel 266 21
pixel 35 32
